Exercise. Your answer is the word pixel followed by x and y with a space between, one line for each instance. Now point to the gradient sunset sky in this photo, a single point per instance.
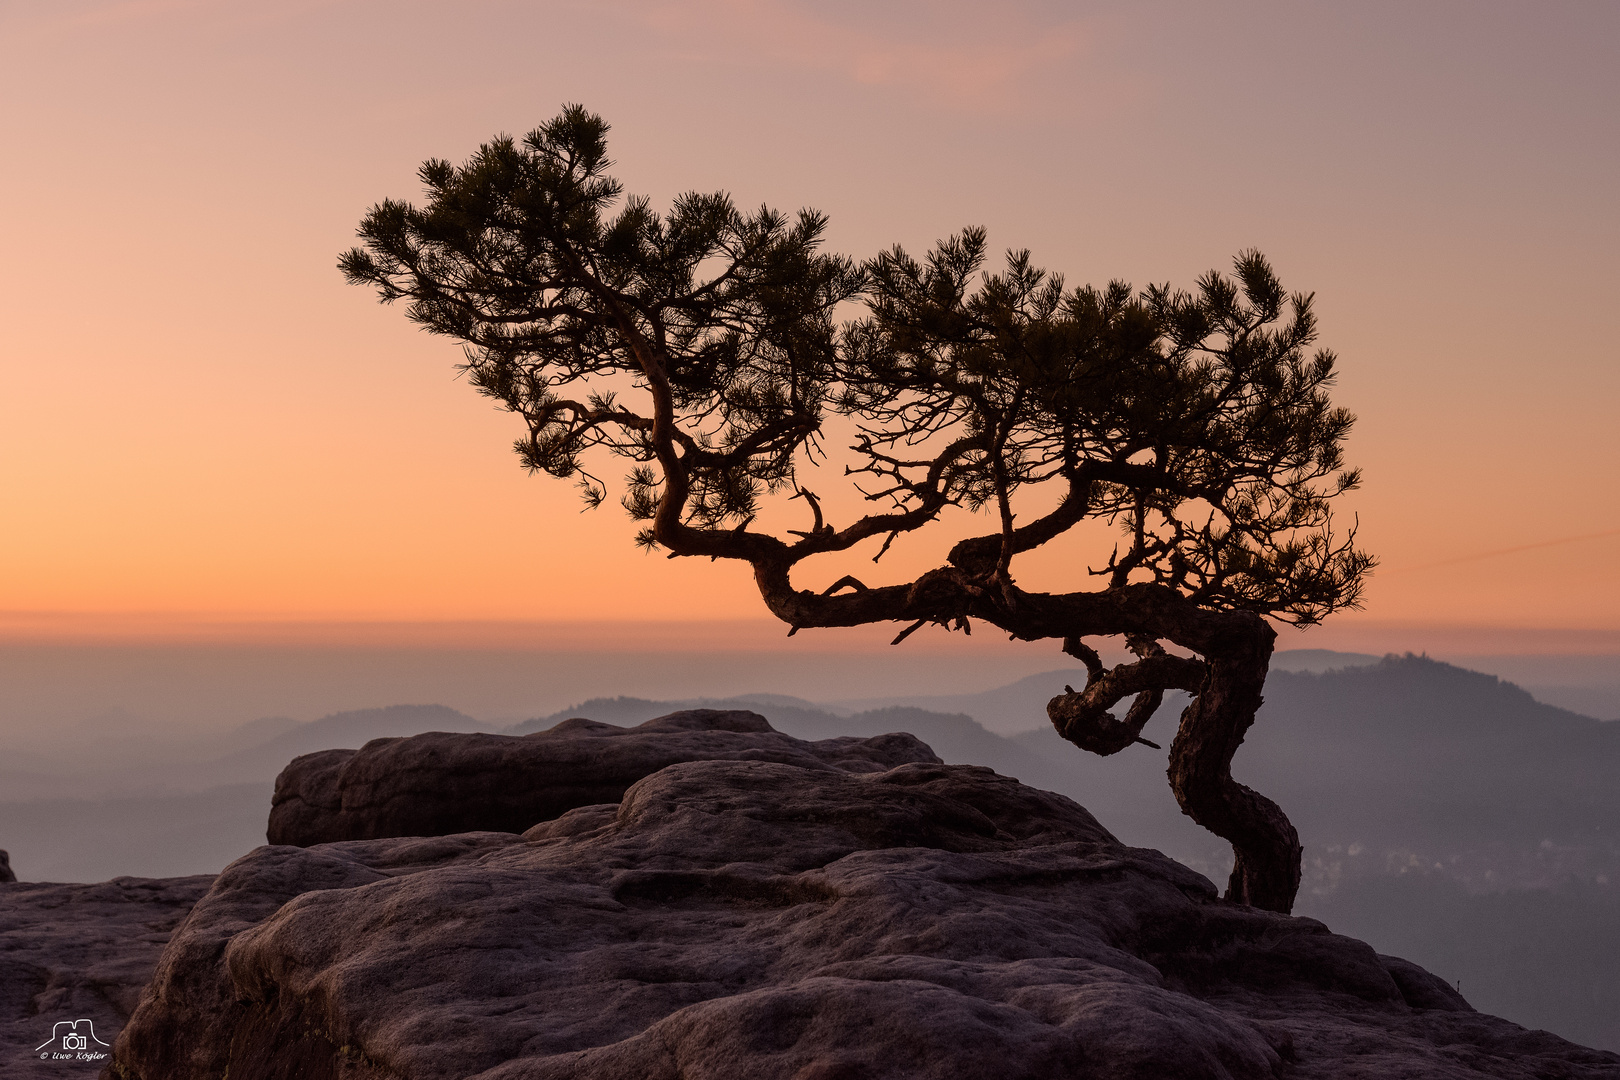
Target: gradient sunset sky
pixel 201 420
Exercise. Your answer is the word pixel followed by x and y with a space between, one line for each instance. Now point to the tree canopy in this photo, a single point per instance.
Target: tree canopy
pixel 710 347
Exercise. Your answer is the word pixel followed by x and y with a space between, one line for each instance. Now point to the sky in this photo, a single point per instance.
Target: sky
pixel 205 430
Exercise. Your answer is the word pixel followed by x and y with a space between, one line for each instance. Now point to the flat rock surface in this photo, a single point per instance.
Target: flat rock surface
pixel 441 783
pixel 79 952
pixel 751 918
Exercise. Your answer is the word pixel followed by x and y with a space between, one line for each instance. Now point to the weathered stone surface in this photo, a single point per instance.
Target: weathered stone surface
pixel 5 868
pixel 72 952
pixel 442 783
pixel 749 918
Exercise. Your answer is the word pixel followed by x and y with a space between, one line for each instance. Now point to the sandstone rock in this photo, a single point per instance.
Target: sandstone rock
pixel 71 952
pixel 5 868
pixel 442 783
pixel 750 918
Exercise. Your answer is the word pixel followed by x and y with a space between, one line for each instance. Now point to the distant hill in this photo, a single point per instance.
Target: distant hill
pixel 1319 660
pixel 955 737
pixel 344 730
pixel 1006 710
pixel 1021 706
pixel 199 814
pixel 1416 696
pixel 119 764
pixel 1428 757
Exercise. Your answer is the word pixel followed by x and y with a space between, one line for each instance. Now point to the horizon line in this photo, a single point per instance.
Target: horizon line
pixel 751 634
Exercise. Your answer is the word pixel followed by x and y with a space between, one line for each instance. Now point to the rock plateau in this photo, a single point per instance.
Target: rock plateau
pixel 759 908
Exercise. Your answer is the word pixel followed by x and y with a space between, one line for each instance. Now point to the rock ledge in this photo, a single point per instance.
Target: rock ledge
pixel 442 783
pixel 757 918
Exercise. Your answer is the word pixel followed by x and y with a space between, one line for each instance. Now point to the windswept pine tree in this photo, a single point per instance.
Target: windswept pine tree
pixel 704 347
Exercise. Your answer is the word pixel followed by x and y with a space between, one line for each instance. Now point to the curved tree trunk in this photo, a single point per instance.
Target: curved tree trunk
pixel 1227 687
pixel 1266 872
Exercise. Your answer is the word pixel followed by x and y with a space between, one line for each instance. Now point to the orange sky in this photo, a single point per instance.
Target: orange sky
pixel 201 421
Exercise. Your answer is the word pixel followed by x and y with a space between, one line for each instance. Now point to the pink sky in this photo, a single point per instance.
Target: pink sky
pixel 203 424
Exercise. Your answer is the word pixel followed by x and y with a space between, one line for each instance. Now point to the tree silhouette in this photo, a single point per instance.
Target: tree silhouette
pixel 704 345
